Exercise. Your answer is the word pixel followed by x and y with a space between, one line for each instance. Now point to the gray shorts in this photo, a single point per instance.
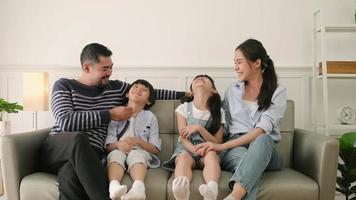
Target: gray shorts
pixel 133 157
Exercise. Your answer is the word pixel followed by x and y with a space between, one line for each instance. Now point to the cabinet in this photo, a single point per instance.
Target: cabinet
pixel 324 71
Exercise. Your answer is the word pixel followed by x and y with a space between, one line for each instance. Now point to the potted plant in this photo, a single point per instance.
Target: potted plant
pixel 7 107
pixel 347 168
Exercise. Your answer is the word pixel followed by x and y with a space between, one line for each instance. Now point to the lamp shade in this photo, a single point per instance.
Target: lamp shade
pixel 35 91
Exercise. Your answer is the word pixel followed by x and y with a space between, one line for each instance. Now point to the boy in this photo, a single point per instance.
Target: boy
pixel 135 142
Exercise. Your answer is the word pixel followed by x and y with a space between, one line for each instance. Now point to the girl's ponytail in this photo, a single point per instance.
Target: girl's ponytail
pixel 214 122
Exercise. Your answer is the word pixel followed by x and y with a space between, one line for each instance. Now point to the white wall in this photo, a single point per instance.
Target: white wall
pixel 156 37
pixel 154 32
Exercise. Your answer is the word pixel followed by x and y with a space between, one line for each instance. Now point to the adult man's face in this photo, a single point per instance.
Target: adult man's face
pixel 100 72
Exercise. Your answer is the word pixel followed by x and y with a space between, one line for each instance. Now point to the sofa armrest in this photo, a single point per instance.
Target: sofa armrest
pixel 19 157
pixel 316 156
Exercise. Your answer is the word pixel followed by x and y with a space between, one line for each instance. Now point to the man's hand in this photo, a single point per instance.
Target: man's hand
pixel 123 146
pixel 120 113
pixel 205 147
pixel 186 131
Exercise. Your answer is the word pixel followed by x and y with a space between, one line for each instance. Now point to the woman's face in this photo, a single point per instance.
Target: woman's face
pixel 202 83
pixel 244 68
pixel 139 93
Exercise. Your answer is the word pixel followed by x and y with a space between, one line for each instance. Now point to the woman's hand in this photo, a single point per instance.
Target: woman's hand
pixel 186 131
pixel 205 147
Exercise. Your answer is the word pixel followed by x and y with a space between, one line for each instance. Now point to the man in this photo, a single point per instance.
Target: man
pixel 82 109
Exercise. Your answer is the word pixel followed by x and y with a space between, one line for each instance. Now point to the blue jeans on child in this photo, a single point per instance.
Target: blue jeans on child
pixel 249 162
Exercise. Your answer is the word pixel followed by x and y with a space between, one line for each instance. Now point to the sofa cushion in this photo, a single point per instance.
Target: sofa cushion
pixel 167 147
pixel 43 186
pixel 287 122
pixel 284 184
pixel 165 113
pixel 287 132
pixel 287 184
pixel 155 183
pixel 285 148
pixel 39 186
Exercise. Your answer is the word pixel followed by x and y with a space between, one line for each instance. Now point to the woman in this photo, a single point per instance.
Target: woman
pixel 253 106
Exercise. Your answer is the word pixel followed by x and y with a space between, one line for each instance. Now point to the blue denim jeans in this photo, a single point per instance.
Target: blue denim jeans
pixel 249 162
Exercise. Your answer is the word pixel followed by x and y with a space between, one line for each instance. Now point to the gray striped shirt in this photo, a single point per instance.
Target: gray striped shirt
pixel 78 107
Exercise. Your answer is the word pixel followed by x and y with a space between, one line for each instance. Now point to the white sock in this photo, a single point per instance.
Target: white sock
pixel 137 192
pixel 209 191
pixel 180 188
pixel 116 190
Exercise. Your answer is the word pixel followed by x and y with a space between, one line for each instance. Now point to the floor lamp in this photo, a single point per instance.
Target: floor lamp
pixel 35 93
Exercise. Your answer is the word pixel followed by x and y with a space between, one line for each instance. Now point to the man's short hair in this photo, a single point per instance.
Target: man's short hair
pixel 91 52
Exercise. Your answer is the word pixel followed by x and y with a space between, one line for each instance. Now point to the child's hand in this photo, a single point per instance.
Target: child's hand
pixel 120 113
pixel 205 147
pixel 132 141
pixel 123 146
pixel 186 131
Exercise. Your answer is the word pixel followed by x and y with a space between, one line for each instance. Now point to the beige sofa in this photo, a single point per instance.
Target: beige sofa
pixel 309 165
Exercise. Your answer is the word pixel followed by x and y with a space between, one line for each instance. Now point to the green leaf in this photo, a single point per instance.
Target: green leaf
pixel 353 189
pixel 8 107
pixel 340 190
pixel 342 168
pixel 343 184
pixel 349 179
pixel 348 140
pixel 348 169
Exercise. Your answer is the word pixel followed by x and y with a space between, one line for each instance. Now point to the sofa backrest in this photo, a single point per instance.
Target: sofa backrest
pixel 165 112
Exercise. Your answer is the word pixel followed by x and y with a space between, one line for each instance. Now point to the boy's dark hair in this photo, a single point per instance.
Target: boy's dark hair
pixel 214 105
pixel 151 97
pixel 252 50
pixel 91 52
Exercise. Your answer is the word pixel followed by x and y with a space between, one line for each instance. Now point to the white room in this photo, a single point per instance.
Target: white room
pixel 169 42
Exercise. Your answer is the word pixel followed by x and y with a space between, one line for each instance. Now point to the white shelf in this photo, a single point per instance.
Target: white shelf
pixel 320 32
pixel 338 28
pixel 337 76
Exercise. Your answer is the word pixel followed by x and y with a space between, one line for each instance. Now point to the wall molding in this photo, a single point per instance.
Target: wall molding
pixel 166 67
pixel 296 79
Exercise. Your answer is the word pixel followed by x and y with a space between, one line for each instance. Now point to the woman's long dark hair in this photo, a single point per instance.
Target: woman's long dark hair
pixel 253 50
pixel 214 105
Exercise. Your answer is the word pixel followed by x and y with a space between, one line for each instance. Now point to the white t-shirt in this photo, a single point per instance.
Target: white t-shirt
pixel 198 114
pixel 252 105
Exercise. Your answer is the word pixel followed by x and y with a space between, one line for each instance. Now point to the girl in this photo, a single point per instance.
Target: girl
pixel 133 143
pixel 199 120
pixel 254 106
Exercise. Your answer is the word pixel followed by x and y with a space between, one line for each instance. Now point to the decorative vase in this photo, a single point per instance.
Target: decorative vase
pixel 4 127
